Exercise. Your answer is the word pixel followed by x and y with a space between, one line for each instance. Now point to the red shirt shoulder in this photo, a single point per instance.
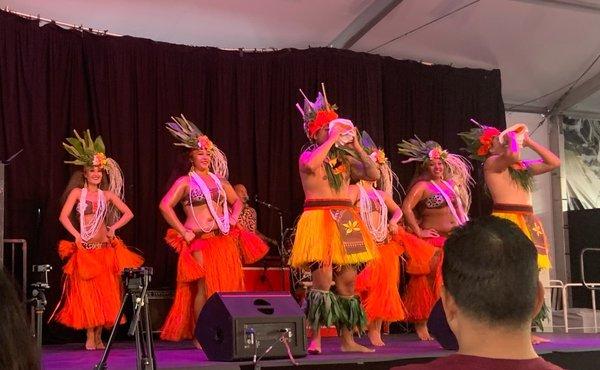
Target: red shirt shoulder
pixel 464 362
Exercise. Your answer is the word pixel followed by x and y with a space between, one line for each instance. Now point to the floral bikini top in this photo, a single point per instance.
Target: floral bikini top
pixel 437 201
pixel 198 198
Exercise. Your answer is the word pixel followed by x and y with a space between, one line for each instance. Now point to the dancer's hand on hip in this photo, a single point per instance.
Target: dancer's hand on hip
pixel 189 235
pixel 428 233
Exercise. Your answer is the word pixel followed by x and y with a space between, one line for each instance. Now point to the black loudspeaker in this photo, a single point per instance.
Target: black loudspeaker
pixel 439 329
pixel 583 233
pixel 159 301
pixel 238 326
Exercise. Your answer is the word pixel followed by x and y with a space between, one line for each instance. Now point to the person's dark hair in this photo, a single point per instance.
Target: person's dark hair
pixel 490 269
pixel 180 167
pixel 17 350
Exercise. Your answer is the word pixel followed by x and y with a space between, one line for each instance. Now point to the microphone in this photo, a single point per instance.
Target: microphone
pixel 267 205
pixel 258 201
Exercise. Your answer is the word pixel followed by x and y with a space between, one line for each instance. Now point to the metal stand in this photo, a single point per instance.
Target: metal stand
pixel 3 164
pixel 280 249
pixel 136 285
pixel 587 284
pixel 37 310
pixel 280 246
pixel 38 302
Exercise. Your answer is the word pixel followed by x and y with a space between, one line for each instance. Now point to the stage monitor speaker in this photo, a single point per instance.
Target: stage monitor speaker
pixel 439 328
pixel 159 301
pixel 236 326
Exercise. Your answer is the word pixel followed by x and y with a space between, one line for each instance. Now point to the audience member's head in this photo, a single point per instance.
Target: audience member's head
pixel 491 292
pixel 490 276
pixel 17 347
pixel 241 192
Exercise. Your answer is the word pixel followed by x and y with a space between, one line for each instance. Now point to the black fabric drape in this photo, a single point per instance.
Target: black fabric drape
pixel 54 80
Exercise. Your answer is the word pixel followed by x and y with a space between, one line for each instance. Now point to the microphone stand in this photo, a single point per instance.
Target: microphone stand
pixel 281 236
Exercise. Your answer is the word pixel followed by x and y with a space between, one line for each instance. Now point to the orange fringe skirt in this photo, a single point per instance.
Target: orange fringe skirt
pixel 92 289
pixel 378 284
pixel 424 264
pixel 530 224
pixel 221 269
pixel 318 240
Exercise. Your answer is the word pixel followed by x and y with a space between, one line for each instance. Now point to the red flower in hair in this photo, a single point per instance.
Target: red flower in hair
pixel 323 118
pixel 486 138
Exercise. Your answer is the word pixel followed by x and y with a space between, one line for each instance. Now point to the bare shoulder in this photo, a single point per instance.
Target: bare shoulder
pixel 420 185
pixel 488 162
pixel 385 196
pixel 183 180
pixel 75 192
pixel 495 164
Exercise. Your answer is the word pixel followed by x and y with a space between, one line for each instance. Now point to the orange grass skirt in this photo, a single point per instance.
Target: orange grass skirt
pixel 92 289
pixel 221 270
pixel 378 284
pixel 424 267
pixel 318 240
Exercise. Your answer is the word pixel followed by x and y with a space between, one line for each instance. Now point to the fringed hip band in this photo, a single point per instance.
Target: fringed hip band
pixel 208 235
pixel 95 245
pixel 503 207
pixel 310 204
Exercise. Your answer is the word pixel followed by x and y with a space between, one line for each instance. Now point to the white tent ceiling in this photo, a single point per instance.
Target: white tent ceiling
pixel 539 45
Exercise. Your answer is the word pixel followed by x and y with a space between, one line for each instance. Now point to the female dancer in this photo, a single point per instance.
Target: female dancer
pixel 92 291
pixel 437 201
pixel 211 249
pixel 379 281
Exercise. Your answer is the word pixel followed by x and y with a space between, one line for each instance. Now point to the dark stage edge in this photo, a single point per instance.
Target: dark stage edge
pixel 572 351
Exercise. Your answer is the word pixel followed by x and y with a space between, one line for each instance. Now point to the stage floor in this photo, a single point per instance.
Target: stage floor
pixel 400 349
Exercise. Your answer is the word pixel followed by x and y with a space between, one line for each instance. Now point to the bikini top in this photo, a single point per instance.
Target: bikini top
pixel 198 198
pixel 90 207
pixel 437 200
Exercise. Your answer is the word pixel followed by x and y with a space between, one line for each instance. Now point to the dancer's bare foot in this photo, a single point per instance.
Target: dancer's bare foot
pixel 315 346
pixel 375 338
pixel 355 347
pixel 538 340
pixel 196 344
pixel 90 344
pixel 98 340
pixel 422 331
pixel 90 341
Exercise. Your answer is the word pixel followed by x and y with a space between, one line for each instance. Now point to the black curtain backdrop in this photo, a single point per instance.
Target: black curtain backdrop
pixel 54 80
